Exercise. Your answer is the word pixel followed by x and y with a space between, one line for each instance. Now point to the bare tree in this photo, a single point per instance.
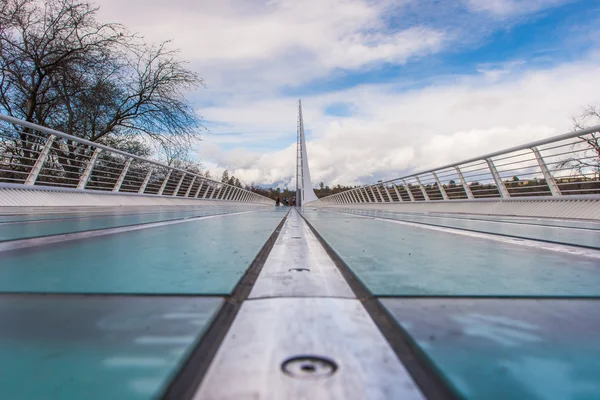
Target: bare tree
pixel 585 158
pixel 63 69
pixel 178 156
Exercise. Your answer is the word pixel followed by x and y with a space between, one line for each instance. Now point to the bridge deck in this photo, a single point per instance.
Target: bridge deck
pixel 134 303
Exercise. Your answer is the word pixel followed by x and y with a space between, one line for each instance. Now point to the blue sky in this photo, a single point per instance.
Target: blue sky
pixel 387 86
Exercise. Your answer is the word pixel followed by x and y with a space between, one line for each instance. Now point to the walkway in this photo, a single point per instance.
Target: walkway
pixel 244 301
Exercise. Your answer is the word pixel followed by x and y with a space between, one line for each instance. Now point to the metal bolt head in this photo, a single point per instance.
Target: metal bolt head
pixel 309 367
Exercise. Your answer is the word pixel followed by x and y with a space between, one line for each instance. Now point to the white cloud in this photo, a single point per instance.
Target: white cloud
pixel 248 51
pixel 399 132
pixel 280 41
pixel 512 7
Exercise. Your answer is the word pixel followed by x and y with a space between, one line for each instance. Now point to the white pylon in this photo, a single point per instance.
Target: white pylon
pixel 304 189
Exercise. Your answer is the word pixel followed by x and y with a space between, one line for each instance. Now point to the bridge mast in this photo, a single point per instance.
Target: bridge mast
pixel 304 189
pixel 299 156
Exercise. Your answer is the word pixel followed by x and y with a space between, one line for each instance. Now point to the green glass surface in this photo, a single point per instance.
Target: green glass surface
pixel 545 221
pixel 496 349
pixel 201 257
pixel 558 234
pixel 69 224
pixel 396 259
pixel 96 347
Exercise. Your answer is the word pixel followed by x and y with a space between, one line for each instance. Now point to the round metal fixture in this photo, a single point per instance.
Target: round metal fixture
pixel 309 367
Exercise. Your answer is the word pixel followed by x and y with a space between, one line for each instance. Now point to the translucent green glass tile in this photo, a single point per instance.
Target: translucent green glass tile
pixel 496 349
pixel 567 223
pixel 70 224
pixel 98 347
pixel 395 259
pixel 567 235
pixel 201 257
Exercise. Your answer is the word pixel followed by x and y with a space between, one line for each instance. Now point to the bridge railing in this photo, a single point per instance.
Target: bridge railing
pixel 562 165
pixel 34 155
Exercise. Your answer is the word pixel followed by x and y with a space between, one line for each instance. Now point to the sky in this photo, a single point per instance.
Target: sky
pixel 388 87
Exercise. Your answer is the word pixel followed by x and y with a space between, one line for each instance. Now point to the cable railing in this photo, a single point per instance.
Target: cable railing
pixel 562 165
pixel 32 155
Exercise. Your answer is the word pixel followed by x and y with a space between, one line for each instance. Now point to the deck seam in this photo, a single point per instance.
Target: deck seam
pixel 193 370
pixel 422 371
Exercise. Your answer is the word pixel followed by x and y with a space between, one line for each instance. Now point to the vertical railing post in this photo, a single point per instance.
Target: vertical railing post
pixel 501 187
pixel 189 189
pixel 397 192
pixel 425 195
pixel 212 192
pixel 367 195
pixel 360 193
pixel 206 191
pixel 373 193
pixel 240 195
pixel 39 163
pixel 554 189
pixel 356 198
pixel 380 195
pixel 219 193
pixel 83 179
pixel 232 192
pixel 146 180
pixel 199 188
pixel 440 186
pixel 388 193
pixel 174 194
pixel 119 182
pixel 164 184
pixel 410 194
pixel 222 192
pixel 464 183
pixel 349 195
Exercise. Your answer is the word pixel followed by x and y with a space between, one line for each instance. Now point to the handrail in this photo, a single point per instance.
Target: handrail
pixel 536 143
pixel 547 180
pixel 250 196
